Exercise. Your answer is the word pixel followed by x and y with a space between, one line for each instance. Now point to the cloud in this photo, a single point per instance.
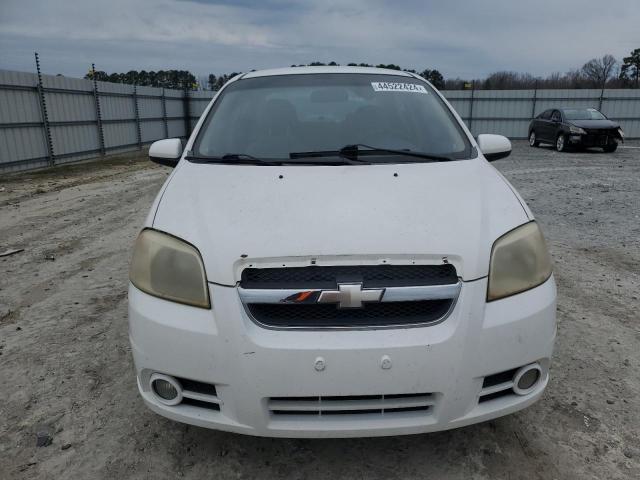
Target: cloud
pixel 460 38
pixel 125 21
pixel 253 4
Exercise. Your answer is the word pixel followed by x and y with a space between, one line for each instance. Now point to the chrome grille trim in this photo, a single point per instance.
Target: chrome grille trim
pixel 390 294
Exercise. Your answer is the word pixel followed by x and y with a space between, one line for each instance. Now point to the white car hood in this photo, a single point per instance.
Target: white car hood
pixel 241 215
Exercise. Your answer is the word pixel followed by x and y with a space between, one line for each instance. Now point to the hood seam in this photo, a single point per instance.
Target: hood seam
pixel 164 189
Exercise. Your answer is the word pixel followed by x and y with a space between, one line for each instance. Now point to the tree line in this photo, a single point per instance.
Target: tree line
pixel 603 72
pixel 176 79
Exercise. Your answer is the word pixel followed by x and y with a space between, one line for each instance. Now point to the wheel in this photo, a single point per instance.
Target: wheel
pixel 561 143
pixel 533 140
pixel 612 147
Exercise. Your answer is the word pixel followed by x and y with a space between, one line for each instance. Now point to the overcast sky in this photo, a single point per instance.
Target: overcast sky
pixel 459 38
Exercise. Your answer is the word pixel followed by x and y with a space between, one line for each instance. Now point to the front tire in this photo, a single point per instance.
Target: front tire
pixel 610 148
pixel 533 139
pixel 561 143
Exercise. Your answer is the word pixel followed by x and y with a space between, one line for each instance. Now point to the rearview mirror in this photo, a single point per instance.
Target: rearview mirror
pixel 166 152
pixel 494 147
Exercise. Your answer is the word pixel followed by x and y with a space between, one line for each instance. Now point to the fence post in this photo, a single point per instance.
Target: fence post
pixel 96 98
pixel 473 88
pixel 187 113
pixel 164 114
pixel 535 98
pixel 45 116
pixel 137 113
pixel 601 98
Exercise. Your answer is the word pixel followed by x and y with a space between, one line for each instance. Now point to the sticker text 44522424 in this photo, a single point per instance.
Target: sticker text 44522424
pixel 398 87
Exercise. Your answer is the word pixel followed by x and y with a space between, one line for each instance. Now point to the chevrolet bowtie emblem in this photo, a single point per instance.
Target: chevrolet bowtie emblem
pixel 351 295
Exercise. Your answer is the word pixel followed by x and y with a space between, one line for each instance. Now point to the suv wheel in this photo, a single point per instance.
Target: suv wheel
pixel 533 140
pixel 561 143
pixel 610 148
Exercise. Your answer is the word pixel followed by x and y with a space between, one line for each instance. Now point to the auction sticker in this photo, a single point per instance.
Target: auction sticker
pixel 398 87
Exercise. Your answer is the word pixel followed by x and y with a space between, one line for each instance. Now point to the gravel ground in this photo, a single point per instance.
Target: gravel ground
pixel 66 369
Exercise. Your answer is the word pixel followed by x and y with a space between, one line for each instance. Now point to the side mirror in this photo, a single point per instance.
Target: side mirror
pixel 166 152
pixel 494 147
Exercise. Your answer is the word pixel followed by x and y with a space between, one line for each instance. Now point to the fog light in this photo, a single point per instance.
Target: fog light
pixel 526 379
pixel 166 389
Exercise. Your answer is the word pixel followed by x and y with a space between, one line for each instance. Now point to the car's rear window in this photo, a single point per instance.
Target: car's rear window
pixel 271 117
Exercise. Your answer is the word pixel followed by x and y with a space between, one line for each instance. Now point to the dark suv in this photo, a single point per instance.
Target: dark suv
pixel 579 127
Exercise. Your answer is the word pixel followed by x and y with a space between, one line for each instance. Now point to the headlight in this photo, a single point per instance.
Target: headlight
pixel 621 133
pixel 519 262
pixel 577 130
pixel 169 268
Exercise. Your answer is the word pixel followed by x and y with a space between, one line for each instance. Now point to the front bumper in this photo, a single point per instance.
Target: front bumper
pixel 249 364
pixel 595 140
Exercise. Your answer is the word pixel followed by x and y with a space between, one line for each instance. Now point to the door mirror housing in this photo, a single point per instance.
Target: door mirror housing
pixel 166 152
pixel 494 147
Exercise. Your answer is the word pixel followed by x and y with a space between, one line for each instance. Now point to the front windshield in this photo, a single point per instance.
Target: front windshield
pixel 583 114
pixel 272 117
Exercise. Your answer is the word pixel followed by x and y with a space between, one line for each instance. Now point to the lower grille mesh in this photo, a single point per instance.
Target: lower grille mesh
pixel 328 315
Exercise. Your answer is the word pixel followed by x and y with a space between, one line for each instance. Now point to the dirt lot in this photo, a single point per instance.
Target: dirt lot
pixel 66 368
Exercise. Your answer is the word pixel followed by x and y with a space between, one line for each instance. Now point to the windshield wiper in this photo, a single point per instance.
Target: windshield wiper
pixel 315 158
pixel 353 152
pixel 232 158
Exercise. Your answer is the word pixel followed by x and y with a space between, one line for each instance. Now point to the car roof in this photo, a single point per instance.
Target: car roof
pixel 577 108
pixel 324 69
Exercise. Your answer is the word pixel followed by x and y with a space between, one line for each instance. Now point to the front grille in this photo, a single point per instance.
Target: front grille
pixel 371 276
pixel 336 406
pixel 595 140
pixel 371 314
pixel 290 297
pixel 599 136
pixel 600 131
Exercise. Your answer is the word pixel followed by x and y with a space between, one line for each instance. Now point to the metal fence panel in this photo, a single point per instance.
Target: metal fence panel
pixel 19 106
pixel 22 139
pixel 87 119
pixel 176 128
pixel 116 107
pixel 24 146
pixel 508 112
pixel 152 131
pixel 150 107
pixel 175 107
pixel 70 107
pixel 119 134
pixel 622 105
